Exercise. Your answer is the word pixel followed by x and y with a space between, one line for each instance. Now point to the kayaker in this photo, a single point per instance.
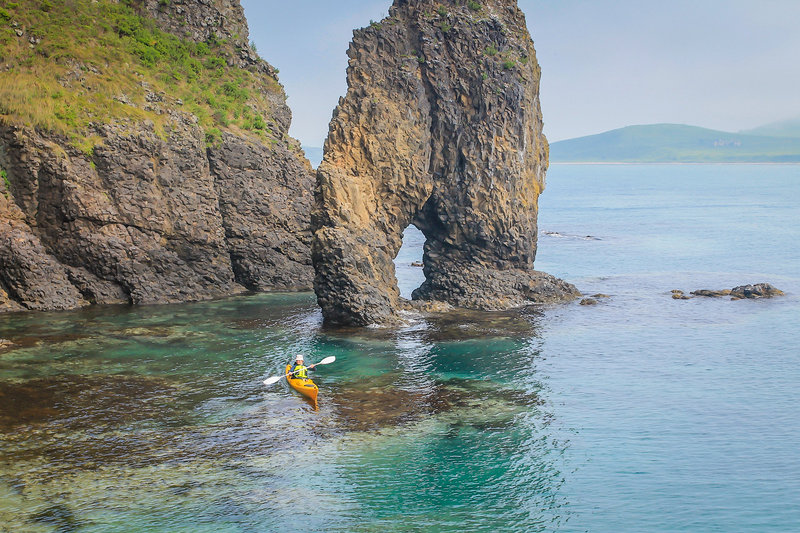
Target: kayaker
pixel 299 369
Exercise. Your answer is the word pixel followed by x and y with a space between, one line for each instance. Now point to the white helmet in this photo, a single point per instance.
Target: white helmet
pixel 299 357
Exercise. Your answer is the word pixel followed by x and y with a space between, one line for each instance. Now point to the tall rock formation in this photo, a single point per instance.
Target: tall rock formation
pixel 157 210
pixel 441 128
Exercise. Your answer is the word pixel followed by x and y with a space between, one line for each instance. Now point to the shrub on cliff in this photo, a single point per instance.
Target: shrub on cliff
pixel 77 62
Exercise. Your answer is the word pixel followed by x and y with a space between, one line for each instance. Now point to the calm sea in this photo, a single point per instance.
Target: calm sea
pixel 640 413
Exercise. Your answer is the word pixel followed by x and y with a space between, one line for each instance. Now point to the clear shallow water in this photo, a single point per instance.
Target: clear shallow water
pixel 641 413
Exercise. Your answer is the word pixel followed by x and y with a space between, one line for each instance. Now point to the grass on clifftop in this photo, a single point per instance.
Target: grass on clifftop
pixel 65 64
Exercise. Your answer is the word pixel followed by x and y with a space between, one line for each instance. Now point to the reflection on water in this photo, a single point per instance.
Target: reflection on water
pixel 129 419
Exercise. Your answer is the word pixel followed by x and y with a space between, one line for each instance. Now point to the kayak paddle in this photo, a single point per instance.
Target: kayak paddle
pixel 273 379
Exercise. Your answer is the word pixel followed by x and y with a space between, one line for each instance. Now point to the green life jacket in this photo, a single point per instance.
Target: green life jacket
pixel 300 372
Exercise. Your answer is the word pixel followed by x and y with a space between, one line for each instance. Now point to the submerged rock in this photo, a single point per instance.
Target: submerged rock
pixel 58 516
pixel 441 128
pixel 6 344
pixel 78 402
pixel 367 407
pixel 428 306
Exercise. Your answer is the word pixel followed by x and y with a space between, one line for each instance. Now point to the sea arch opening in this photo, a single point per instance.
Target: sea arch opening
pixel 408 261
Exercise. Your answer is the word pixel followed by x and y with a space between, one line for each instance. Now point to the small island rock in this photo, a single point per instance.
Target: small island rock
pixel 436 132
pixel 759 290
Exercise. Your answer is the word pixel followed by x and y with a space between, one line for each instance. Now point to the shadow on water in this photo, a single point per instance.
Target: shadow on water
pixel 428 417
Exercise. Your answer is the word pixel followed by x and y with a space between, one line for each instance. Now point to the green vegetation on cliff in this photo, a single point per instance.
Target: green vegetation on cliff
pixel 66 64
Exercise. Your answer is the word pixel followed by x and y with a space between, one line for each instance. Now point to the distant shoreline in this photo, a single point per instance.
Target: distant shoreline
pixel 679 144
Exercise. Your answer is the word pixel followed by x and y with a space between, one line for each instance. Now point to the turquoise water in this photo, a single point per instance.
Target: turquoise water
pixel 641 413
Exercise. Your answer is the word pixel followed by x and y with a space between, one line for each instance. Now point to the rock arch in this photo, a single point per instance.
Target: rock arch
pixel 441 128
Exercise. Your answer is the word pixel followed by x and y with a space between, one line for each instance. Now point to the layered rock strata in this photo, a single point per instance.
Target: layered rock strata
pixel 441 128
pixel 156 216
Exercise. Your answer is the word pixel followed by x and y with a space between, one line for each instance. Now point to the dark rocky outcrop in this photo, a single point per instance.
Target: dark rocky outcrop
pixel 265 196
pixel 441 128
pixel 758 290
pixel 155 215
pixel 199 20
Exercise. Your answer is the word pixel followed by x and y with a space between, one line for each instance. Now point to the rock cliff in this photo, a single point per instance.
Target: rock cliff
pixel 161 210
pixel 441 128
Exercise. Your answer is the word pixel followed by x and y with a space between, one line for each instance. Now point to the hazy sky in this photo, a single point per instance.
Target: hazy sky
pixel 722 64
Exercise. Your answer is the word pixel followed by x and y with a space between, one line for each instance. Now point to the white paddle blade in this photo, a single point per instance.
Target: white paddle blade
pixel 328 360
pixel 271 380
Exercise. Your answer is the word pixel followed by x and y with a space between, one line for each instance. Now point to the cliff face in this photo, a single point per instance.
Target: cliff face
pixel 156 212
pixel 441 128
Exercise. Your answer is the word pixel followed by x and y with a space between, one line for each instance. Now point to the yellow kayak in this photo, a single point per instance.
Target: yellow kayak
pixel 306 387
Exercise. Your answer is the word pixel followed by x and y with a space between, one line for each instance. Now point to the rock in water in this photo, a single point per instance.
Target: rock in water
pixel 759 290
pixel 711 294
pixel 441 128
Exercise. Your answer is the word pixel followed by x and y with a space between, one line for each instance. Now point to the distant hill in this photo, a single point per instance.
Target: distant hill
pixel 676 143
pixel 784 128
